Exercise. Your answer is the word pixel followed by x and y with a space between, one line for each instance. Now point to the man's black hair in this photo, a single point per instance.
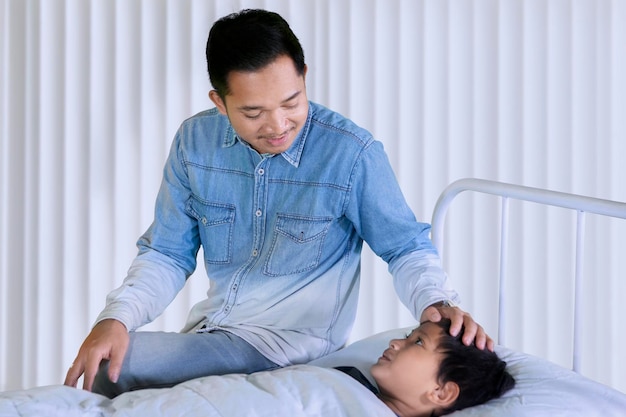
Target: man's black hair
pixel 248 41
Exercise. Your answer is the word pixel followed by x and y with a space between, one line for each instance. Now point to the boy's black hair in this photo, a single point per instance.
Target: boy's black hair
pixel 480 374
pixel 248 41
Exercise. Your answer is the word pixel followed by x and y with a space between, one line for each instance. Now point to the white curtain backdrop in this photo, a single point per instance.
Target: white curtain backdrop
pixel 530 92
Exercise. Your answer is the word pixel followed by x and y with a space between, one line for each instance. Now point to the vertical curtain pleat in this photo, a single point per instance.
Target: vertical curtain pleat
pixel 47 249
pixel 72 285
pixel 14 195
pixel 92 92
pixel 125 66
pixel 99 236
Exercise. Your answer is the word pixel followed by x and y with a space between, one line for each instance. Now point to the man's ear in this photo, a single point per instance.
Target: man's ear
pixel 445 395
pixel 219 103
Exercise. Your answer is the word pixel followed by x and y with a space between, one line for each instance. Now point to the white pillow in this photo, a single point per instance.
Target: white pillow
pixel 542 388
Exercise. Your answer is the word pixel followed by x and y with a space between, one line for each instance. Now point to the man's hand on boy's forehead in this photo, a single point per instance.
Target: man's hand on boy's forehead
pixel 459 318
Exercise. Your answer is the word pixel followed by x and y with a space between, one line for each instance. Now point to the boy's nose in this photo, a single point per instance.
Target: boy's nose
pixel 395 344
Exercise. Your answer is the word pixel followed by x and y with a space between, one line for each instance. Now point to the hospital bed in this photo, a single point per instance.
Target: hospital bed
pixel 543 387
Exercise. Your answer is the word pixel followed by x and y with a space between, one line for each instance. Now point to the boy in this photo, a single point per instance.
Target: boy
pixel 431 373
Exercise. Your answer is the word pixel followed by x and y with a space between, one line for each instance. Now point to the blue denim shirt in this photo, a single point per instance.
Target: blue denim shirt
pixel 281 236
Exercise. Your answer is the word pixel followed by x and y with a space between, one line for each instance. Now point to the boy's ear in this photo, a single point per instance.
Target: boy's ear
pixel 444 395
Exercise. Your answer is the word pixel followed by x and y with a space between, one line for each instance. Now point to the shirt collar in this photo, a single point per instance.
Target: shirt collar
pixel 230 137
pixel 291 155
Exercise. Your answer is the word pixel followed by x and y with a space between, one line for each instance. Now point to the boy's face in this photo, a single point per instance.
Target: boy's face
pixel 408 368
pixel 267 108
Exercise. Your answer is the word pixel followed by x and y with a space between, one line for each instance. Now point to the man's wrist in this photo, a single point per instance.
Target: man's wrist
pixel 443 303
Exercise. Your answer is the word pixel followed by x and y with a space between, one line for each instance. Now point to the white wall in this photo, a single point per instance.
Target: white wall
pixel 91 93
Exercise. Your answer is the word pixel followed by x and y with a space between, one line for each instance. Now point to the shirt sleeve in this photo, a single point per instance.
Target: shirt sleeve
pixel 382 217
pixel 420 281
pixel 167 253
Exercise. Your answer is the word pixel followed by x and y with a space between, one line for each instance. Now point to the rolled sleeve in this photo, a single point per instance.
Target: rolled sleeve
pixel 420 281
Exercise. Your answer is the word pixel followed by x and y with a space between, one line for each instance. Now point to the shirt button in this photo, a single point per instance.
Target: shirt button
pixel 261 171
pixel 255 252
pixel 258 213
pixel 227 309
pixel 234 287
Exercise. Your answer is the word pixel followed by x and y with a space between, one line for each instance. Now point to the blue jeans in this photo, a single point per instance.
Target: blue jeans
pixel 159 360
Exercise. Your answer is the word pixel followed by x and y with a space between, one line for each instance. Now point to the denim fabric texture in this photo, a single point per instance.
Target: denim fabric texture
pixel 281 235
pixel 154 360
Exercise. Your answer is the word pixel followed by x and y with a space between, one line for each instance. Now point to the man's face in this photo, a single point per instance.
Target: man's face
pixel 267 108
pixel 408 368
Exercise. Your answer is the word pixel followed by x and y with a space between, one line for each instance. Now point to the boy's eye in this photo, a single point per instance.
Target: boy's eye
pixel 418 341
pixel 252 116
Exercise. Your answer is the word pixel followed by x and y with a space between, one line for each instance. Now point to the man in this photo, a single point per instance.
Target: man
pixel 280 192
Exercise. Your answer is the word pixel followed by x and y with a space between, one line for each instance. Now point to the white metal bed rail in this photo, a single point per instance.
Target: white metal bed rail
pixel 581 204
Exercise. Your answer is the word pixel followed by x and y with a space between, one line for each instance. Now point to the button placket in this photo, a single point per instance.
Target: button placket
pixel 258 228
pixel 259 196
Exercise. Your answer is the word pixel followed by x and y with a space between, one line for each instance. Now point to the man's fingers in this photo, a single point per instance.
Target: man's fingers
pixel 73 373
pixel 115 365
pixel 471 330
pixel 116 359
pixel 431 314
pixel 456 317
pixel 92 365
pixel 475 333
pixel 91 369
pixel 490 344
pixel 456 323
pixel 480 341
pixel 108 340
pixel 483 341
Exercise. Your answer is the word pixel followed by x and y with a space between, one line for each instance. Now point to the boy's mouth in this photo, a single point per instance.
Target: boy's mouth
pixel 385 357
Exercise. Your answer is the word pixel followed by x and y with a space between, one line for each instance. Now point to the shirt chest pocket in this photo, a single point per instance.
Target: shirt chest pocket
pixel 215 225
pixel 296 245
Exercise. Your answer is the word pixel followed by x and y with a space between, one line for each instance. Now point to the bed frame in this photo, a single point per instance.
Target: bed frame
pixel 578 203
